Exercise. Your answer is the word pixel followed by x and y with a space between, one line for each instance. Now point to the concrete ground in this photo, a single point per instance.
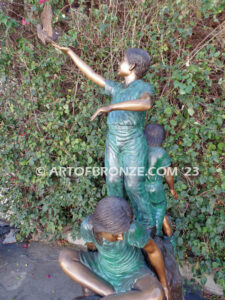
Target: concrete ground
pixel 33 273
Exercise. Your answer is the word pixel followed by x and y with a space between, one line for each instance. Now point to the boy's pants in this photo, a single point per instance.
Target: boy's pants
pixel 126 166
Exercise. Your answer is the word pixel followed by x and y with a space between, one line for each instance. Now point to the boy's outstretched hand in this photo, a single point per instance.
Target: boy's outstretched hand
pixel 63 49
pixel 100 111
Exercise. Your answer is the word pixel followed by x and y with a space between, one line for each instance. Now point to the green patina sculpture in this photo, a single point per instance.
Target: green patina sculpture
pixel 126 145
pixel 158 165
pixel 130 264
pixel 117 270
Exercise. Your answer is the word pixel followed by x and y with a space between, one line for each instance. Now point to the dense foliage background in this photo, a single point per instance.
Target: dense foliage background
pixel 46 104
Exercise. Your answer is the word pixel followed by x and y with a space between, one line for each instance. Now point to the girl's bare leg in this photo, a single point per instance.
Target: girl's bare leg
pixel 146 288
pixel 70 263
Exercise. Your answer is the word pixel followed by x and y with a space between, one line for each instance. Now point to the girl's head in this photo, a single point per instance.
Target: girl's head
pixel 111 218
pixel 155 135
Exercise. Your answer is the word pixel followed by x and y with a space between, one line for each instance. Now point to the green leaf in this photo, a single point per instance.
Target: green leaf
pixel 191 111
pixel 180 241
pixel 203 280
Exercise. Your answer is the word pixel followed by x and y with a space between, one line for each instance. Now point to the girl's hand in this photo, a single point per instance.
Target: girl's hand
pixel 167 294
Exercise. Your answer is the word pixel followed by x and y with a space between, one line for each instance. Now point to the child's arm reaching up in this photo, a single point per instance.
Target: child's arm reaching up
pixel 45 33
pixel 88 71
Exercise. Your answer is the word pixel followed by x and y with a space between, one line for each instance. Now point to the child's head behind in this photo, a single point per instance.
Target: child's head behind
pixel 140 58
pixel 154 134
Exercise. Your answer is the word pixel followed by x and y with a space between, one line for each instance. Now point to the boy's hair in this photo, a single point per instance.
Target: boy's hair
pixel 112 215
pixel 154 134
pixel 140 58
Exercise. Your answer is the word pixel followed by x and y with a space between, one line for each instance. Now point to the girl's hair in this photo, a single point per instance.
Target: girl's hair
pixel 154 134
pixel 112 215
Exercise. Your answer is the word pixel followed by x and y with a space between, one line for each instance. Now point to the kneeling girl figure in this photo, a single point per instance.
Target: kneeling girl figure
pixel 117 270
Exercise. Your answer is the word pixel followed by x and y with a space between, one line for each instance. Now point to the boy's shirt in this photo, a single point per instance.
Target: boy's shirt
pixel 157 158
pixel 121 257
pixel 119 94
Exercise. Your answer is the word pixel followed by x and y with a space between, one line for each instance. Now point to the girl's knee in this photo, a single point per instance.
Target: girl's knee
pixel 150 288
pixel 156 293
pixel 66 256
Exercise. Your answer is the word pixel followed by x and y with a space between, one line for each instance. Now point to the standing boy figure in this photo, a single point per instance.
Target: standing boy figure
pixel 126 145
pixel 118 269
pixel 158 163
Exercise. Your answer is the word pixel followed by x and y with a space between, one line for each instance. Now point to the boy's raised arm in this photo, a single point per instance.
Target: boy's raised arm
pixel 88 72
pixel 45 33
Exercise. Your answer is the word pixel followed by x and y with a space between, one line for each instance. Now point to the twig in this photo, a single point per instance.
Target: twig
pixel 191 57
pixel 206 38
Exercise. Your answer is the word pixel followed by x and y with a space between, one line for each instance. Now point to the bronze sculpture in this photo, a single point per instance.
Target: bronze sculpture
pixel 125 140
pixel 158 159
pixel 126 147
pixel 118 269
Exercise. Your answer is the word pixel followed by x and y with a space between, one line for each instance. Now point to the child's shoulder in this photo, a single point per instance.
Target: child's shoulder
pixel 158 154
pixel 86 230
pixel 146 86
pixel 111 87
pixel 137 235
pixel 86 225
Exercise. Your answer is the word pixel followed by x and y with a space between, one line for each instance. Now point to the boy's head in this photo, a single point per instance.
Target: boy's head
pixel 154 134
pixel 112 216
pixel 136 60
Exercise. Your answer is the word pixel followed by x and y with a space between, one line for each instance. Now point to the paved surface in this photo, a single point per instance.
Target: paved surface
pixel 33 273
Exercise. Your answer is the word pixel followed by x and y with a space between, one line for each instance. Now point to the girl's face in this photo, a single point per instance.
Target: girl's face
pixel 111 237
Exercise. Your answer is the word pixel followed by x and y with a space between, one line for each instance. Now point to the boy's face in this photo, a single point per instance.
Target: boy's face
pixel 125 68
pixel 111 237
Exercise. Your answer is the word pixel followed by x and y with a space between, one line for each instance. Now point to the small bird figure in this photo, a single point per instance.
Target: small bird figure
pixel 45 31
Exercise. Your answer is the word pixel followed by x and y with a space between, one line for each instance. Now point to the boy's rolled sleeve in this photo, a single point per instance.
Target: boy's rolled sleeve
pixel 111 87
pixel 166 162
pixel 147 88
